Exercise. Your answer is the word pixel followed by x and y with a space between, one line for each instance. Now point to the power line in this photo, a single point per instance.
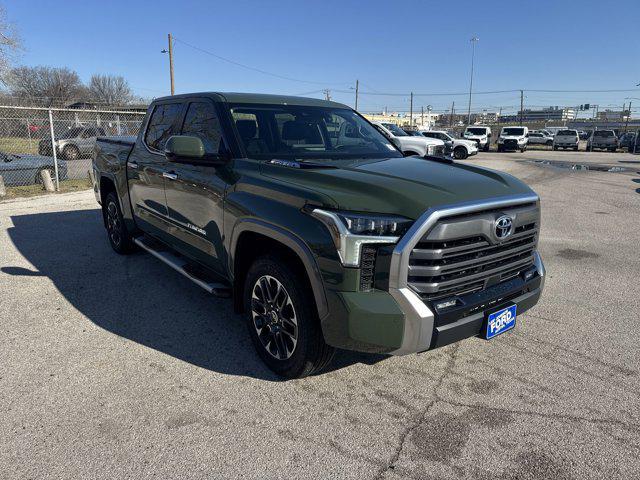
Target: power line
pixel 259 70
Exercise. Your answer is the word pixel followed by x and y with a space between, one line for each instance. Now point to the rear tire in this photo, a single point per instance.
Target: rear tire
pixel 282 319
pixel 70 152
pixel 119 238
pixel 460 153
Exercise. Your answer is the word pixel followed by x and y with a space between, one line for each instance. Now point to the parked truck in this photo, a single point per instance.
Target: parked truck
pixel 325 237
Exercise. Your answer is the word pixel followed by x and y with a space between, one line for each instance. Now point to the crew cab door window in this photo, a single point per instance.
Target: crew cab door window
pixel 202 121
pixel 162 125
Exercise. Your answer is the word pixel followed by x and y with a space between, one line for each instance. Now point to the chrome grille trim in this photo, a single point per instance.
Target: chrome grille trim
pixel 419 318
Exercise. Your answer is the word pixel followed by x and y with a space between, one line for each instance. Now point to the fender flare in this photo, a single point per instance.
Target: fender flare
pixel 291 241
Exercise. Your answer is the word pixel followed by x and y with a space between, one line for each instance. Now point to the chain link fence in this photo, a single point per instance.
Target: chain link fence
pixel 58 142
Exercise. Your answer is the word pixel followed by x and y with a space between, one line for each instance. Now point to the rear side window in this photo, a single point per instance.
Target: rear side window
pixel 202 121
pixel 603 133
pixel 162 125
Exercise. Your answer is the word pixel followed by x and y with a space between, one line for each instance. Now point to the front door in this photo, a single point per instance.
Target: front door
pixel 146 170
pixel 195 193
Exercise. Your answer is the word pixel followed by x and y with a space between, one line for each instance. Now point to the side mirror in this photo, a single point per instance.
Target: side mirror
pixel 188 149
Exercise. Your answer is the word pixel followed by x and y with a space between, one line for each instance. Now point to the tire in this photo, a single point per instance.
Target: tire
pixel 575 149
pixel 614 150
pixel 460 153
pixel 486 147
pixel 550 143
pixel 119 238
pixel 282 319
pixel 555 148
pixel 70 152
pixel 499 148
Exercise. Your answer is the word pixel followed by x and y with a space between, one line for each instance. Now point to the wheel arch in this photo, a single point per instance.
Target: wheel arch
pixel 252 238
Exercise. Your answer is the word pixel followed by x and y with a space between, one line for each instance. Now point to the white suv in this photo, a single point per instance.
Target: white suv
pixel 480 135
pixel 459 148
pixel 513 138
pixel 409 144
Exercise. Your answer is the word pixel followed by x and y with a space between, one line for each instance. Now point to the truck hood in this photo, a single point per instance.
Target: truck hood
pixel 402 186
pixel 423 141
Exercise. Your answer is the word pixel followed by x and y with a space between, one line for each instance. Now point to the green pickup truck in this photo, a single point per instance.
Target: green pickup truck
pixel 318 227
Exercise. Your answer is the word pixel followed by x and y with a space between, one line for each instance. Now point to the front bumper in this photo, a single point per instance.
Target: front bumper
pixel 399 322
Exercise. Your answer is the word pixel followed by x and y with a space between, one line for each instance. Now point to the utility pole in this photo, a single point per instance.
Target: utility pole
pixel 626 123
pixel 521 105
pixel 171 64
pixel 422 116
pixel 411 110
pixel 357 87
pixel 453 107
pixel 474 40
pixel 499 115
pixel 327 94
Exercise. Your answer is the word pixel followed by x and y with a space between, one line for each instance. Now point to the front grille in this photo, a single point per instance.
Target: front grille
pixel 511 143
pixel 438 151
pixel 460 255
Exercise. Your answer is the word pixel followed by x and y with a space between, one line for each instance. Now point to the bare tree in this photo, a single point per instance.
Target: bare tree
pixel 56 86
pixel 110 89
pixel 10 43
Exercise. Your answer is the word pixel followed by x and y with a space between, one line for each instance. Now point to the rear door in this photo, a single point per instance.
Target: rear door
pixel 195 191
pixel 147 167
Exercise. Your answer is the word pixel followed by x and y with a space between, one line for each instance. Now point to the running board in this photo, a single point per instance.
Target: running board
pixel 179 264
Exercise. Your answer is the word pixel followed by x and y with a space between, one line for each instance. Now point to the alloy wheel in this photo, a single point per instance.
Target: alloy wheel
pixel 113 224
pixel 274 317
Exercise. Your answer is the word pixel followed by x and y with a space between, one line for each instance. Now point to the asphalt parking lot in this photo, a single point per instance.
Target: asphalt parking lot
pixel 114 367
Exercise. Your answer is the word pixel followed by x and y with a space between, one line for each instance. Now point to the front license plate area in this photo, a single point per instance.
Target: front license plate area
pixel 500 321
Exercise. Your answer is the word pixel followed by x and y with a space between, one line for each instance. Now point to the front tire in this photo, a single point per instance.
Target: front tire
pixel 460 153
pixel 282 320
pixel 119 238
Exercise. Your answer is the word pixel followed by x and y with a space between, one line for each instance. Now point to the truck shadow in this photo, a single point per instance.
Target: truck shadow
pixel 138 298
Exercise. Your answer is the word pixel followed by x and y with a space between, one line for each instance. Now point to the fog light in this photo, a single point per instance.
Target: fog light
pixel 446 304
pixel 528 275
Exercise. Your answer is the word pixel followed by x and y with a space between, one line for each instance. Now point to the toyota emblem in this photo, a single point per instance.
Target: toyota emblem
pixel 504 227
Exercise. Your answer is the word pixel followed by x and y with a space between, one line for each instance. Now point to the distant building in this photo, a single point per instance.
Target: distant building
pixel 613 115
pixel 561 114
pixel 403 119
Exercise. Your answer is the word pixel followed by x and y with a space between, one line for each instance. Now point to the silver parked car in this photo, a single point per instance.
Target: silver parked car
pixel 74 143
pixel 19 170
pixel 540 137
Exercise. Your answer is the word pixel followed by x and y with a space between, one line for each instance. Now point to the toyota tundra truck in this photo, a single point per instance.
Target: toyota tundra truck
pixel 321 231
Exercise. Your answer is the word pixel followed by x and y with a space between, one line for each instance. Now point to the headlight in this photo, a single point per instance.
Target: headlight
pixel 431 149
pixel 352 230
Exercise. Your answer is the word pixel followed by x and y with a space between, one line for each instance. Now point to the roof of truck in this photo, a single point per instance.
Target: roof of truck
pixel 235 97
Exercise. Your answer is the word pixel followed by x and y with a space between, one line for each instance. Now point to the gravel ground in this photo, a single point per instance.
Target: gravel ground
pixel 118 367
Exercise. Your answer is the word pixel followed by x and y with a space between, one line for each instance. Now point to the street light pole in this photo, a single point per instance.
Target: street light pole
pixel 474 40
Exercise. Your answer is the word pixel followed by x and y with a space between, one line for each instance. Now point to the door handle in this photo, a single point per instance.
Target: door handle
pixel 133 165
pixel 170 175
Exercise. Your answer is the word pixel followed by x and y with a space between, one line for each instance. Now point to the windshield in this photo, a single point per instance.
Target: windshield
pixel 296 132
pixel 72 133
pixel 569 133
pixel 396 130
pixel 603 133
pixel 476 131
pixel 513 131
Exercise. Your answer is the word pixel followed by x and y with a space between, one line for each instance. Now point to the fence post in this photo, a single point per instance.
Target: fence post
pixel 29 134
pixel 3 191
pixel 118 125
pixel 53 149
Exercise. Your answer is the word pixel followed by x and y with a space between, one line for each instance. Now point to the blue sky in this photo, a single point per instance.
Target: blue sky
pixel 419 46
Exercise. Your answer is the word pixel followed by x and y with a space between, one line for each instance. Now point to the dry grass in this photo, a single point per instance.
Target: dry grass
pixel 34 190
